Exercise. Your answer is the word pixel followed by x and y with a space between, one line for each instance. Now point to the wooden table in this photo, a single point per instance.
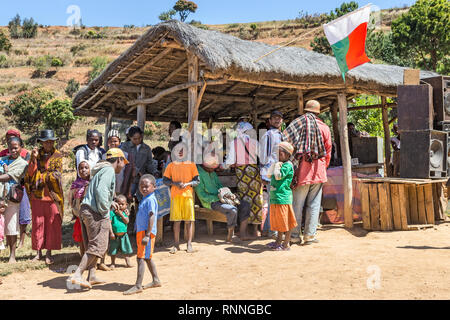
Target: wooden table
pixel 369 168
pixel 401 204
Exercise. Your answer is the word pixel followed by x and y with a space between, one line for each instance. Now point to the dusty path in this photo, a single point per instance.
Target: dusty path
pixel 412 265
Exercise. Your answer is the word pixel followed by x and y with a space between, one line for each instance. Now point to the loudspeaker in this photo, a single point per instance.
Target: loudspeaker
pixel 415 107
pixel 368 149
pixel 423 154
pixel 441 97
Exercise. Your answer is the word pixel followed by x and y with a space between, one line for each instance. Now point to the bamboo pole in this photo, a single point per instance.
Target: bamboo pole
pixel 387 138
pixel 192 77
pixel 300 102
pixel 141 111
pixel 335 119
pixel 346 161
pixel 108 122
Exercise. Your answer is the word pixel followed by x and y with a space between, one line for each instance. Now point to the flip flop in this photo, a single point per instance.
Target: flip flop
pixel 278 248
pixel 272 244
pixel 82 283
pixel 132 290
pixel 173 250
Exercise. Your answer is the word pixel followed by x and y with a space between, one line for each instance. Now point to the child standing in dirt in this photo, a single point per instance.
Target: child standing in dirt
pixel 76 195
pixel 119 240
pixel 182 176
pixel 282 217
pixel 146 233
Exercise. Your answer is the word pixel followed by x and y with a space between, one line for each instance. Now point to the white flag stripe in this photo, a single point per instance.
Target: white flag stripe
pixel 340 28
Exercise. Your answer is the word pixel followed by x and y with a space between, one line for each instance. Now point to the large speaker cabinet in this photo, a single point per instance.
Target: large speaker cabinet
pixel 423 154
pixel 368 150
pixel 415 107
pixel 441 97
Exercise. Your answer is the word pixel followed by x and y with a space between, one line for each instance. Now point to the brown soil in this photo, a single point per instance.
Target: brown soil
pixel 413 265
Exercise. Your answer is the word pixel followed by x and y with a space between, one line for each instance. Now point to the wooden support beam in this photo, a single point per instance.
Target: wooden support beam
pixel 171 106
pixel 197 105
pixel 106 96
pixel 141 112
pixel 387 138
pixel 192 77
pixel 165 43
pixel 300 102
pixel 373 106
pixel 172 74
pixel 170 90
pixel 346 161
pixel 108 122
pixel 335 120
pixel 158 57
pixel 209 105
pixel 392 120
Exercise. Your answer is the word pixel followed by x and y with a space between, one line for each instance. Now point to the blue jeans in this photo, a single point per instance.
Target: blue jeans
pixel 309 195
pixel 232 212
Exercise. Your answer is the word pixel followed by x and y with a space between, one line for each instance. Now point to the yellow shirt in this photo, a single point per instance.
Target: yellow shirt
pixel 181 172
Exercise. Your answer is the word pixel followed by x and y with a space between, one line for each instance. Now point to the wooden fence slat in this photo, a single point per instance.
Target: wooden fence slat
pixel 396 207
pixel 382 197
pixel 390 221
pixel 403 206
pixel 421 205
pixel 413 210
pixel 374 207
pixel 365 209
pixel 429 208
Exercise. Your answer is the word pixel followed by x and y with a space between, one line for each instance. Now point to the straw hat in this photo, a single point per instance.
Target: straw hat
pixel 312 106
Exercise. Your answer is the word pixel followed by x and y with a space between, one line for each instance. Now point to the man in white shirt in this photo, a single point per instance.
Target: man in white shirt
pixel 92 151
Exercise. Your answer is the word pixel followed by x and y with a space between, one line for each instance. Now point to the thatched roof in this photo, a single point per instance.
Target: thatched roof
pixel 251 88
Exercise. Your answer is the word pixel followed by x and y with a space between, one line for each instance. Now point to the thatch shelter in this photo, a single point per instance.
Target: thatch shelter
pixel 150 80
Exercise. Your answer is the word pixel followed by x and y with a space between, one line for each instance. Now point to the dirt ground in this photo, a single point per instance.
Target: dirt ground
pixel 344 265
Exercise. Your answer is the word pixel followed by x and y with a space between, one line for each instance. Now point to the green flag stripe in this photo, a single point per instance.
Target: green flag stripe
pixel 340 50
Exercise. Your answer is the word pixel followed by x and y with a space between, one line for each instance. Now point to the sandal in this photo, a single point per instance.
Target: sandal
pixel 272 244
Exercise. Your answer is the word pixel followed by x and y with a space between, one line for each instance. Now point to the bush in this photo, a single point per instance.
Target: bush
pixel 167 15
pixel 77 48
pixel 5 44
pixel 95 35
pixel 42 65
pixel 56 62
pixel 29 28
pixel 72 87
pixel 58 116
pixel 14 27
pixel 26 109
pixel 97 64
pixel 3 61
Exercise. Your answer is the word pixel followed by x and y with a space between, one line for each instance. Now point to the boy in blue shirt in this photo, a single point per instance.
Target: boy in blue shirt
pixel 146 218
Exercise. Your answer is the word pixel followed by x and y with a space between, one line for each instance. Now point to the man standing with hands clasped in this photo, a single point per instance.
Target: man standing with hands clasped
pixel 94 215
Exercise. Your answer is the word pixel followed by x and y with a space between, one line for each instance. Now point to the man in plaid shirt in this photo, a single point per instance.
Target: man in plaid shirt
pixel 311 139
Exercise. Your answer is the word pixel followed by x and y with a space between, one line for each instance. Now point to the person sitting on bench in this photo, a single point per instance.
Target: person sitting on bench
pixel 207 191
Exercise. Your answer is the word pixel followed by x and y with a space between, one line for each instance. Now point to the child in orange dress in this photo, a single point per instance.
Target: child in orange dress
pixel 282 217
pixel 182 176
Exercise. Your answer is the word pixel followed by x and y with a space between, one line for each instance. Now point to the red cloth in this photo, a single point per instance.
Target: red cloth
pixel 77 235
pixel 316 171
pixel 46 226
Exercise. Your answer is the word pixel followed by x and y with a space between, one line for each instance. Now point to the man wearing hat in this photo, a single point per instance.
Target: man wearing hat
pixel 43 183
pixel 311 139
pixel 269 153
pixel 94 215
pixel 207 191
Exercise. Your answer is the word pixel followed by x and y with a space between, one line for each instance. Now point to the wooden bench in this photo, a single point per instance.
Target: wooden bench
pixel 227 180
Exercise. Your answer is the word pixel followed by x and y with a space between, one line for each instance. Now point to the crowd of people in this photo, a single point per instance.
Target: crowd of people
pixel 273 191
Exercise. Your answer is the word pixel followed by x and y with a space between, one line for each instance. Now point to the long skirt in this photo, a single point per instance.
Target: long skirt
pixel 46 226
pixel 250 189
pixel 25 210
pixel 12 219
pixel 282 217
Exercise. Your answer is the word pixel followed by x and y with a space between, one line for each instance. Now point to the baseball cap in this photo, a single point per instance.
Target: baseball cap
pixel 116 153
pixel 276 113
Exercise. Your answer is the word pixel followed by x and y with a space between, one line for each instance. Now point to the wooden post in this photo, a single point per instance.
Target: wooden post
pixel 300 102
pixel 210 123
pixel 346 160
pixel 387 138
pixel 141 111
pixel 334 117
pixel 192 77
pixel 108 122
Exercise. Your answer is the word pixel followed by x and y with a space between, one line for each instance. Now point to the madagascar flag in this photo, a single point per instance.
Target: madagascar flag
pixel 347 37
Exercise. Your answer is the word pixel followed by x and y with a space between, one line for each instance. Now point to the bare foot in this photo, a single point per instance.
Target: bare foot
pixel 49 260
pixel 12 260
pixel 112 266
pixel 153 284
pixel 37 257
pixel 79 281
pixel 103 267
pixel 95 280
pixel 133 290
pixel 20 245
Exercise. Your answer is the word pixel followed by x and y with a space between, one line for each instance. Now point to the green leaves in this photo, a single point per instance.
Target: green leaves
pixel 58 116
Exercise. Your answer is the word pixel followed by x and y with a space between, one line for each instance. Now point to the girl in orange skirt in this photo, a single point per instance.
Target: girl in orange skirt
pixel 282 217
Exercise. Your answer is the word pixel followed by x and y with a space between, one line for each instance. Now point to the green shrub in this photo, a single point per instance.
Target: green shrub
pixel 58 116
pixel 95 35
pixel 14 27
pixel 42 64
pixel 3 61
pixel 56 62
pixel 77 48
pixel 97 64
pixel 26 109
pixel 5 44
pixel 72 87
pixel 29 28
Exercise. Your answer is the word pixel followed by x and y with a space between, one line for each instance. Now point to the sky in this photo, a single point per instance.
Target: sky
pixel 140 13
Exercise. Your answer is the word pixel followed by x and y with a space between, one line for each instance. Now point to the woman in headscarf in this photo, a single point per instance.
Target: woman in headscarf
pixel 25 210
pixel 242 154
pixel 16 167
pixel 43 184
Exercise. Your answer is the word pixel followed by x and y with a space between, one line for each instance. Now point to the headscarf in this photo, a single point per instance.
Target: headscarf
pixel 79 184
